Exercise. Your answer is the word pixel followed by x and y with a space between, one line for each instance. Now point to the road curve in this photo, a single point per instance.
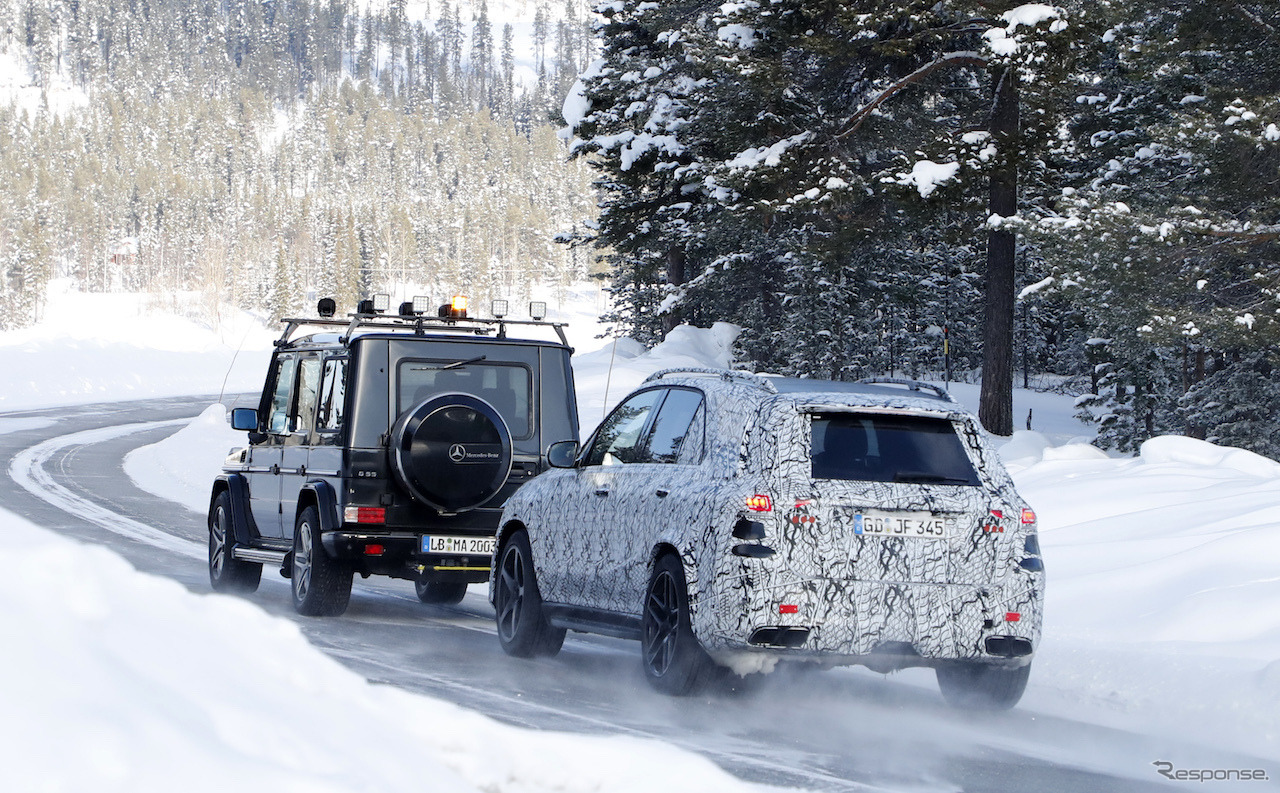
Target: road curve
pixel 839 730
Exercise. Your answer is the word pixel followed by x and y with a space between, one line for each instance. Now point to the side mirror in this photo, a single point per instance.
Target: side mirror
pixel 244 419
pixel 562 454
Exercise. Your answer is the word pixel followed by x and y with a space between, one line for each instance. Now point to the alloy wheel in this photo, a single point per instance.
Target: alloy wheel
pixel 662 611
pixel 302 563
pixel 511 583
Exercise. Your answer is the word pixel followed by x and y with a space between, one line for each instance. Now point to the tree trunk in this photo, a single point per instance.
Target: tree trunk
pixel 675 277
pixel 995 408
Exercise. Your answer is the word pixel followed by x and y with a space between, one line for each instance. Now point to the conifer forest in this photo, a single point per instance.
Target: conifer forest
pixel 1082 196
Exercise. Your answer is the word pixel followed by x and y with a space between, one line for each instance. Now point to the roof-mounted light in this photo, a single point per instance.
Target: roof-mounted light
pixel 406 309
pixel 375 305
pixel 499 309
pixel 538 310
pixel 421 304
pixel 455 308
pixel 327 307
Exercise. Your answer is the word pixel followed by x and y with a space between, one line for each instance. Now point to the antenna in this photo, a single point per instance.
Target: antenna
pixel 232 365
pixel 604 410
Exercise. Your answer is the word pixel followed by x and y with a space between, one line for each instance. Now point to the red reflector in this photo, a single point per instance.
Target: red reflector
pixel 1012 616
pixel 1028 516
pixel 995 513
pixel 759 503
pixel 373 549
pixel 788 608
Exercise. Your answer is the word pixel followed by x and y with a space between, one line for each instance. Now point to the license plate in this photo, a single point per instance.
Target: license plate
pixel 469 546
pixel 902 524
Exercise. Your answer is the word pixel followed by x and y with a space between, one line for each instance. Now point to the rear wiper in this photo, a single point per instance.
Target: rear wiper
pixel 923 478
pixel 459 364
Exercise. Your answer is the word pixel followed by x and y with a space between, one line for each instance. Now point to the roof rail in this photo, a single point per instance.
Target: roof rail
pixel 914 385
pixel 728 375
pixel 419 324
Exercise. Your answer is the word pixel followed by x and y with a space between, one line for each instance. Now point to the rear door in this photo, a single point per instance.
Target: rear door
pixel 296 451
pixel 660 493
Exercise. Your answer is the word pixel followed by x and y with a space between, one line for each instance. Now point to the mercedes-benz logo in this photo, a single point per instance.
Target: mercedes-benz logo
pixel 457 452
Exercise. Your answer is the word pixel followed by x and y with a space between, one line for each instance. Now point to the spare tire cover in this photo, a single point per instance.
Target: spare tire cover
pixel 451 452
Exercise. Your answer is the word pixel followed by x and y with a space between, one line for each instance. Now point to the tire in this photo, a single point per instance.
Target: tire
pixel 227 574
pixel 523 630
pixel 673 659
pixel 444 593
pixel 321 586
pixel 975 686
pixel 451 452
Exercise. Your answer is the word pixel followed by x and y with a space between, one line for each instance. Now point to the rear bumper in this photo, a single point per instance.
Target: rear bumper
pixel 399 553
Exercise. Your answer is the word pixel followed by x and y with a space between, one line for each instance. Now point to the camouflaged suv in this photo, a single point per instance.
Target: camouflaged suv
pixel 726 519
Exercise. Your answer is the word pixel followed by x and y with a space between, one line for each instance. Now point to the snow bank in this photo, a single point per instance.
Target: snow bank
pixel 1162 609
pixel 182 467
pixel 605 376
pixel 114 680
pixel 101 347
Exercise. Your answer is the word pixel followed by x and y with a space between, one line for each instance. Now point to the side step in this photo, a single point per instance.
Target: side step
pixel 259 555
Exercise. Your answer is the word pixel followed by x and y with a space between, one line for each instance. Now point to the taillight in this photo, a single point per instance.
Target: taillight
pixel 364 515
pixel 759 503
pixel 1028 516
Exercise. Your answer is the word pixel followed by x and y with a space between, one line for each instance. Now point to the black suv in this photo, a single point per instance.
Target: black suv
pixel 387 446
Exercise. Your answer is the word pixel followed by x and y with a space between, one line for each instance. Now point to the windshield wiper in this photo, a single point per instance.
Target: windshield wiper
pixel 459 364
pixel 923 478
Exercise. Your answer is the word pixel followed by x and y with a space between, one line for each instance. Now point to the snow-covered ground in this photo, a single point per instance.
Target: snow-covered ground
pixel 1162 616
pixel 100 347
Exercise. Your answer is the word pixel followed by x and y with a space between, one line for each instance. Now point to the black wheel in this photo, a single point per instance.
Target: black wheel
pixel 321 586
pixel 674 661
pixel 227 574
pixel 976 686
pixel 439 592
pixel 523 631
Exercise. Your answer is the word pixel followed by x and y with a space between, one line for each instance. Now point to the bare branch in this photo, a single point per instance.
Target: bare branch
pixel 942 61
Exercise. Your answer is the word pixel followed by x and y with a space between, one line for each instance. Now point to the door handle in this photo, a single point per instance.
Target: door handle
pixel 662 492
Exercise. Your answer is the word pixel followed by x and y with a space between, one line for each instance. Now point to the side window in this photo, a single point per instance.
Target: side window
pixel 278 417
pixel 671 430
pixel 618 439
pixel 304 406
pixel 333 396
pixel 694 447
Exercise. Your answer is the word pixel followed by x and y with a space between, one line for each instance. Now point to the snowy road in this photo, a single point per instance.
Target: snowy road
pixel 839 730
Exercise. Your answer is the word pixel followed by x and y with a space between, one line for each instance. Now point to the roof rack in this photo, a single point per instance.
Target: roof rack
pixel 418 323
pixel 728 375
pixel 914 385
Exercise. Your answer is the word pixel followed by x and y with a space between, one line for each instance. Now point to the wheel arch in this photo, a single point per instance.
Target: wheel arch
pixel 237 489
pixel 320 494
pixel 692 581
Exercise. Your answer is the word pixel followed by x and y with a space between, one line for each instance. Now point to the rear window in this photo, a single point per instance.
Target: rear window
pixel 506 386
pixel 885 448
